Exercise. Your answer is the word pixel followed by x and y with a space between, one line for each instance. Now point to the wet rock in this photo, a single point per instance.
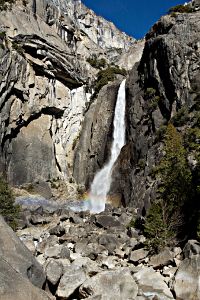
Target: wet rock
pixel 70 281
pixel 109 285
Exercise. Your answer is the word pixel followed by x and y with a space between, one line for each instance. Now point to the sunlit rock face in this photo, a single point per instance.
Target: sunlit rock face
pixel 47 83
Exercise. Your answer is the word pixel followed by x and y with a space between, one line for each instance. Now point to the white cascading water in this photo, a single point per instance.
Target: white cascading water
pixel 102 180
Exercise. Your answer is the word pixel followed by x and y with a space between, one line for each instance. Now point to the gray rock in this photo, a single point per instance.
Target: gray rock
pixel 54 271
pixel 152 284
pixel 137 255
pixel 91 268
pixel 20 259
pixel 107 221
pixel 57 230
pixel 14 285
pixel 164 258
pixel 186 282
pixel 54 251
pixel 70 281
pixel 110 285
pixel 191 248
pixel 109 241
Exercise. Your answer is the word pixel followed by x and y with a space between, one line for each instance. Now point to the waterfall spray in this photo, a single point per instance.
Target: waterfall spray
pixel 102 180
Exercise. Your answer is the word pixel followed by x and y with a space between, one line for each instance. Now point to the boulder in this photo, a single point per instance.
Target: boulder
pixel 152 284
pixel 137 255
pixel 110 285
pixel 107 221
pixel 191 248
pixel 109 241
pixel 54 271
pixel 186 282
pixel 57 230
pixel 14 285
pixel 164 258
pixel 87 264
pixel 70 281
pixel 13 251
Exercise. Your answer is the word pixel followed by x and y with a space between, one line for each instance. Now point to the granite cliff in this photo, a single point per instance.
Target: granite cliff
pixel 47 80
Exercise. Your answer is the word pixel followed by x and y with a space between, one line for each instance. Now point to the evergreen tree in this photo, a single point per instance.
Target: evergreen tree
pixel 166 218
pixel 7 208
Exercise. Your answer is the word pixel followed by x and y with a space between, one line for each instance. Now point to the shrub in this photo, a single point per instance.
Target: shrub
pixel 97 63
pixel 160 133
pixel 106 75
pixel 8 209
pixel 181 9
pixel 181 117
pixel 17 47
pixel 152 99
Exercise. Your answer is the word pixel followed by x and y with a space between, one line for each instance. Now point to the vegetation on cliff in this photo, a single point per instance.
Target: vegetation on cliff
pixel 166 217
pixel 106 75
pixel 8 209
pixel 187 8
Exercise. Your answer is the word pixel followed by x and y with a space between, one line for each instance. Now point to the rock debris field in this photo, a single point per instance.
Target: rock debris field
pixel 88 256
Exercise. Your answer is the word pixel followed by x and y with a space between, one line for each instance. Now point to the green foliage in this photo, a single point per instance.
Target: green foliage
pixel 75 141
pixel 160 133
pixel 97 63
pixel 181 9
pixel 174 191
pixel 156 228
pixel 7 208
pixel 17 47
pixel 141 163
pixel 152 99
pixel 192 139
pixel 181 117
pixel 106 75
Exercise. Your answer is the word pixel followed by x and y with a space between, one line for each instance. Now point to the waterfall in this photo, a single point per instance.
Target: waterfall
pixel 102 180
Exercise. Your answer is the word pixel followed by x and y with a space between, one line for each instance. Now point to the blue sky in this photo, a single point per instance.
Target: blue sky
pixel 135 17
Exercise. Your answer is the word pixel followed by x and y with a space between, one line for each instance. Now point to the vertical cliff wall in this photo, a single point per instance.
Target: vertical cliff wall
pixel 162 88
pixel 47 82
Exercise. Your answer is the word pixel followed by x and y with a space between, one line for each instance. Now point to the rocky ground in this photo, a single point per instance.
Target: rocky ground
pixel 88 256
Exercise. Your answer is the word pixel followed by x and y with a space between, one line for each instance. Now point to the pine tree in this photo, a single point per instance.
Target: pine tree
pixel 174 191
pixel 8 209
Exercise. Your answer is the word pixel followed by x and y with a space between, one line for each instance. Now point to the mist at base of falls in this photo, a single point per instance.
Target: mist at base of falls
pixel 101 184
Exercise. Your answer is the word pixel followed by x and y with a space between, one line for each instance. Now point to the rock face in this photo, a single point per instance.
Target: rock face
pixel 96 136
pixel 88 261
pixel 168 68
pixel 15 254
pixel 46 84
pixel 21 275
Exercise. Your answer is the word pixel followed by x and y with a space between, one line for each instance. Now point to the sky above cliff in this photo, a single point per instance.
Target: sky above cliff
pixel 135 17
